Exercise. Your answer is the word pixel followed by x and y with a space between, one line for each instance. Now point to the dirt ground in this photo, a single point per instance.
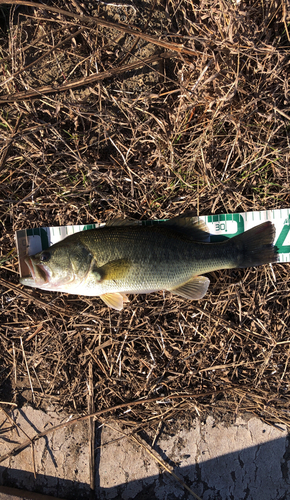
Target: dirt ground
pixel 144 110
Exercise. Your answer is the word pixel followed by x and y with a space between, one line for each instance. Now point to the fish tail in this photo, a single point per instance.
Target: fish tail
pixel 255 246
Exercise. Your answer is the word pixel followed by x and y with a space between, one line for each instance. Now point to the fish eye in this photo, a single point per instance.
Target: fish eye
pixel 45 256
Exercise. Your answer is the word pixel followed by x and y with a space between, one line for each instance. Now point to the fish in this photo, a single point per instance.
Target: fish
pixel 124 258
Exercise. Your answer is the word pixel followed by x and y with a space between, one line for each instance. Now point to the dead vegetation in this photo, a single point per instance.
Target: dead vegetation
pixel 145 111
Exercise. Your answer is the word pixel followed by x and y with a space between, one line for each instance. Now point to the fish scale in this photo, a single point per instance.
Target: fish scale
pixel 159 257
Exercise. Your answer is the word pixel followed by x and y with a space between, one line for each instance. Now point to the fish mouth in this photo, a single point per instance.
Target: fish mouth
pixel 40 275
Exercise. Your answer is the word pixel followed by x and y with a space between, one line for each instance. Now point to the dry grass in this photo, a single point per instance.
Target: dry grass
pixel 98 122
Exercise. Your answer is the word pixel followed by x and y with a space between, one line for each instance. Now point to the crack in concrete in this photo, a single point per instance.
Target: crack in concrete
pixel 285 466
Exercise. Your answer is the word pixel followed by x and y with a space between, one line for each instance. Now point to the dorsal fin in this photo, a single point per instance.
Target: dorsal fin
pixel 122 222
pixel 189 225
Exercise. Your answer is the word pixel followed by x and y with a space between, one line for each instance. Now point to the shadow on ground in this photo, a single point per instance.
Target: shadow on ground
pixel 259 472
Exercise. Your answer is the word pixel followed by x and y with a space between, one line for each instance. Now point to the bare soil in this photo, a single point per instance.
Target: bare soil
pixel 145 110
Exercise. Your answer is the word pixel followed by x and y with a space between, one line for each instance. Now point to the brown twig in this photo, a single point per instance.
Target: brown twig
pixel 36 61
pixel 91 409
pixel 8 146
pixel 42 303
pixel 175 47
pixel 89 80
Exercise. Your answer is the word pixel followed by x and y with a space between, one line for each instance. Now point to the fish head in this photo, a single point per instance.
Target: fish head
pixel 60 267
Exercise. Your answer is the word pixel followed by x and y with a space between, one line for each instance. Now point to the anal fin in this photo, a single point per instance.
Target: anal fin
pixel 193 289
pixel 115 300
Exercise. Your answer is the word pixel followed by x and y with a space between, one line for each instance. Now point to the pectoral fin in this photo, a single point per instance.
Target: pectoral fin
pixel 125 297
pixel 116 269
pixel 193 289
pixel 115 300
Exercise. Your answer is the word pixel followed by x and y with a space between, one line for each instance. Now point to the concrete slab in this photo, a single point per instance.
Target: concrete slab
pixel 61 459
pixel 246 460
pixel 7 493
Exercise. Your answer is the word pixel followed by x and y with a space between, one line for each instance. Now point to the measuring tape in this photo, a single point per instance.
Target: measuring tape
pixel 229 225
pixel 222 226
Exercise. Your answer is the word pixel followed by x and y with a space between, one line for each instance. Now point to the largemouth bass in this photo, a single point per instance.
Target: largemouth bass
pixel 120 259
